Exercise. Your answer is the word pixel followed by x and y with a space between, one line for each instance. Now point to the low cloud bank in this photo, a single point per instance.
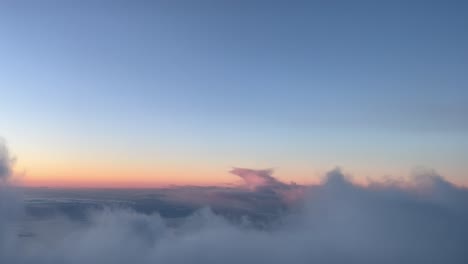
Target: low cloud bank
pixel 421 221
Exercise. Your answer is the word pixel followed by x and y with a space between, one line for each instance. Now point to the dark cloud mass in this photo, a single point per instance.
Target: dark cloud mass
pixel 419 221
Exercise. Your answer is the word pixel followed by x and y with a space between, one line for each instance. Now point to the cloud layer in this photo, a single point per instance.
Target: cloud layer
pixel 421 221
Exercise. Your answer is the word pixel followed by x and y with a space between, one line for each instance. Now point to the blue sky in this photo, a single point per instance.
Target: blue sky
pixel 378 88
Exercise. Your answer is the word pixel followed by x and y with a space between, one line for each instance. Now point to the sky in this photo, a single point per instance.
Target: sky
pixel 149 93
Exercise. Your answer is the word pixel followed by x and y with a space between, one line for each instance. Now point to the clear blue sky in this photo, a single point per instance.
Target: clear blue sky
pixel 376 87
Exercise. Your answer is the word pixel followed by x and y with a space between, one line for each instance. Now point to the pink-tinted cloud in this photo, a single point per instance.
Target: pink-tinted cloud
pixel 262 180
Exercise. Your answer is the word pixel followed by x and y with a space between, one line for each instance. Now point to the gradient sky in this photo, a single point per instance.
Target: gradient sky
pixel 133 93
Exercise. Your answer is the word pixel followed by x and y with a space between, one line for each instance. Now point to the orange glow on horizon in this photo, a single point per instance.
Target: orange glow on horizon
pixel 134 178
pixel 122 179
pixel 90 173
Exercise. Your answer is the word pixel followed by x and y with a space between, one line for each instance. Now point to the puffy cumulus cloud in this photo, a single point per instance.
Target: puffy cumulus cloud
pixel 422 221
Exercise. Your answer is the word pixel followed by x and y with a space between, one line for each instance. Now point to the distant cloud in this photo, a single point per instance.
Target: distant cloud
pixel 263 181
pixel 255 179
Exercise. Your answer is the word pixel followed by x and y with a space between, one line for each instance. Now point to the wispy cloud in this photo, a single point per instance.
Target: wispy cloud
pixel 6 162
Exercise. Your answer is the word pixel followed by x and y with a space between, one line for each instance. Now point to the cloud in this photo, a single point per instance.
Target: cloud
pixel 10 205
pixel 263 181
pixel 340 222
pixel 255 179
pixel 423 220
pixel 6 162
